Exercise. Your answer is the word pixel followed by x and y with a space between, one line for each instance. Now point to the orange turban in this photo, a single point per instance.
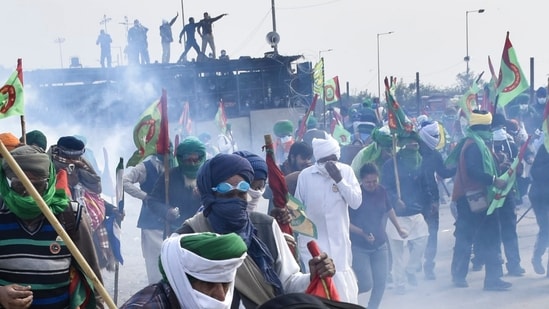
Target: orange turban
pixel 10 141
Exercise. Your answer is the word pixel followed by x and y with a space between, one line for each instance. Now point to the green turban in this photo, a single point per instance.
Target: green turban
pixel 382 137
pixel 215 247
pixel 37 138
pixel 190 145
pixel 283 128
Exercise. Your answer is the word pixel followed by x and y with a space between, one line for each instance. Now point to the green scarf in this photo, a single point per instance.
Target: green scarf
pixel 480 138
pixel 25 207
pixel 410 158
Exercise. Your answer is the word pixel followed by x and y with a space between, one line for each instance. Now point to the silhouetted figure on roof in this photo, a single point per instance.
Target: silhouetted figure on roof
pixel 190 40
pixel 137 44
pixel 104 41
pixel 166 38
pixel 205 31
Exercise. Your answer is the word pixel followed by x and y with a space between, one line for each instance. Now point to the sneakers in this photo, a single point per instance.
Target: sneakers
pixel 412 280
pixel 538 267
pixel 498 285
pixel 460 283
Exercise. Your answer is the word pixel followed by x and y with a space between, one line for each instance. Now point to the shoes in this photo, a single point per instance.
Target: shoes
pixel 498 285
pixel 412 280
pixel 460 283
pixel 476 267
pixel 430 275
pixel 400 290
pixel 516 271
pixel 538 267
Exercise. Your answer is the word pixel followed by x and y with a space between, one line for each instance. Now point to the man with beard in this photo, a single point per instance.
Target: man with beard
pixel 299 157
pixel 198 271
pixel 271 270
pixel 475 178
pixel 183 197
pixel 327 189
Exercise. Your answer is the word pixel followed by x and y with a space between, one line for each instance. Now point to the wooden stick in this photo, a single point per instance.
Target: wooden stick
pixel 56 225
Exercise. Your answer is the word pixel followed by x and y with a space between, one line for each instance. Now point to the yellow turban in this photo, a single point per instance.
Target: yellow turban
pixel 480 118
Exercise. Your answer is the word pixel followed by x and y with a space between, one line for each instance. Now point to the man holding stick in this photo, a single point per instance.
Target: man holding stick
pixel 47 268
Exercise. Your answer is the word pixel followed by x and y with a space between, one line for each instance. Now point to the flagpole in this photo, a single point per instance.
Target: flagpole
pixel 56 225
pixel 22 117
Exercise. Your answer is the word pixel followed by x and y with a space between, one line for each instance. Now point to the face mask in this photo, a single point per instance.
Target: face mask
pixel 254 198
pixel 286 139
pixel 499 135
pixel 205 301
pixel 228 215
pixel 542 100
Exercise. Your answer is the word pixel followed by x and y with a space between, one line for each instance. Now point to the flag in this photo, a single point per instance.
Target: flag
pixel 511 80
pixel 337 129
pixel 277 181
pixel 11 94
pixel 318 78
pixel 303 125
pixel 468 101
pixel 321 287
pixel 490 90
pixel 221 118
pixel 107 186
pixel 150 135
pixel 331 91
pixel 185 122
pixel 510 177
pixel 398 122
pixel 300 223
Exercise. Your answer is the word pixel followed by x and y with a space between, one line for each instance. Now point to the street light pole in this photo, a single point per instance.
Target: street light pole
pixel 378 73
pixel 60 40
pixel 467 58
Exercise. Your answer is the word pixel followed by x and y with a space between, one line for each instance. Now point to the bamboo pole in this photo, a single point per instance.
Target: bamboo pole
pixel 56 225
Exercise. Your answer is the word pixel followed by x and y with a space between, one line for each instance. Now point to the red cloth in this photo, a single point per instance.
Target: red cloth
pixel 321 287
pixel 277 183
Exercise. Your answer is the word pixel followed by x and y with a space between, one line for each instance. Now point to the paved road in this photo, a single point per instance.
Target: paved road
pixel 529 291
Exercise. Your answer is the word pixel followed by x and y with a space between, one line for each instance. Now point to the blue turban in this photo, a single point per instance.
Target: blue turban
pixel 259 164
pixel 219 169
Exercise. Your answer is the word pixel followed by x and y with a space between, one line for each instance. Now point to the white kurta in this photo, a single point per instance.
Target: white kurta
pixel 327 205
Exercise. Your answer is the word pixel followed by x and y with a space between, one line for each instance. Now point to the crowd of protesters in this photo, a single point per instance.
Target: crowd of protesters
pixel 215 244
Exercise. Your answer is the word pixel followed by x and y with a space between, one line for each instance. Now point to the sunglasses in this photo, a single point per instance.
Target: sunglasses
pixel 225 187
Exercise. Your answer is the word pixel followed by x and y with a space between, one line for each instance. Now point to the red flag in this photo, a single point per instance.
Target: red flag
pixel 303 124
pixel 277 183
pixel 398 122
pixel 163 143
pixel 322 287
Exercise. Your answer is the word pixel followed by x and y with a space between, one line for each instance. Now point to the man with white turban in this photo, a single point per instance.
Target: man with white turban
pixel 327 189
pixel 198 272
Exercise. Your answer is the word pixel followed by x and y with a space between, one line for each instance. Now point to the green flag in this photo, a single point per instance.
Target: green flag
pixel 146 133
pixel 468 102
pixel 510 176
pixel 11 97
pixel 511 81
pixel 318 78
pixel 300 223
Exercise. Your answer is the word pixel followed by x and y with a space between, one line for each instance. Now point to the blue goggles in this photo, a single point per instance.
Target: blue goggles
pixel 224 187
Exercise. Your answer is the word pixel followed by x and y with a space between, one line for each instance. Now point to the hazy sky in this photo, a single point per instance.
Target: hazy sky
pixel 429 35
